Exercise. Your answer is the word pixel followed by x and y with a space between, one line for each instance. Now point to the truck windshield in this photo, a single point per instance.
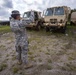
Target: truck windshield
pixel 59 11
pixel 49 12
pixel 27 14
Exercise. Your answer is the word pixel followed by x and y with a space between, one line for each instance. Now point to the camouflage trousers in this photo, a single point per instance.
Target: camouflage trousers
pixel 21 52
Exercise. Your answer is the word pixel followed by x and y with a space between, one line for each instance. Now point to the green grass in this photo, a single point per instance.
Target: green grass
pixel 40 60
pixel 3 66
pixel 5 29
pixel 70 58
pixel 49 67
pixel 30 53
pixel 41 32
pixel 31 58
pixel 47 53
pixel 15 69
pixel 69 67
pixel 2 46
pixel 14 58
pixel 71 30
pixel 49 61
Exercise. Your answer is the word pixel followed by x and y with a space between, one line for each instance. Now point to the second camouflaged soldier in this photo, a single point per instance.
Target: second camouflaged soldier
pixel 18 27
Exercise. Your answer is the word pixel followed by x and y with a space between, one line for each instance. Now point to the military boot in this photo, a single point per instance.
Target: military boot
pixel 19 62
pixel 28 65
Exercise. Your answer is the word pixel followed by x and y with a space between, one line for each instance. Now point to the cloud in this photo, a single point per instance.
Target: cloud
pixel 32 1
pixel 70 3
pixel 3 12
pixel 6 6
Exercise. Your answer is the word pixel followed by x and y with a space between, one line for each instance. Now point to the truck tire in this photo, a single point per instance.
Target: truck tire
pixel 72 23
pixel 63 29
pixel 38 27
pixel 47 29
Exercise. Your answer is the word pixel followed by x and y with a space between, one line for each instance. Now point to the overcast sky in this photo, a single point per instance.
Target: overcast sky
pixel 6 6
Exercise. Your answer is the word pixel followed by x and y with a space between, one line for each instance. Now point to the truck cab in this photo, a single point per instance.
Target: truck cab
pixel 56 18
pixel 34 17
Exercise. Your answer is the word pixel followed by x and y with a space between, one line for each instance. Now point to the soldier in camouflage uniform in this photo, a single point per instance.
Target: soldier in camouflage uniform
pixel 18 27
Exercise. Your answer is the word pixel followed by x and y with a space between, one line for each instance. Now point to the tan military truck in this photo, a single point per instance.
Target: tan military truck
pixel 73 18
pixel 56 18
pixel 35 18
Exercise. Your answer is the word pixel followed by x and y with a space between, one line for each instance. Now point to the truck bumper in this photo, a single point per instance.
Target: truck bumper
pixel 55 26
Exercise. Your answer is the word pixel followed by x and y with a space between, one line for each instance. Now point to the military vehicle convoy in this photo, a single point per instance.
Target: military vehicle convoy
pixel 53 18
pixel 56 18
pixel 35 18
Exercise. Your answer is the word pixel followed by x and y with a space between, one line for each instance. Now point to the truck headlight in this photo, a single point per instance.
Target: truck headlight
pixel 46 24
pixel 61 24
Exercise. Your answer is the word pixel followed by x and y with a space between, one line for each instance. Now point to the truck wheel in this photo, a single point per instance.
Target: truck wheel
pixel 72 23
pixel 63 30
pixel 38 27
pixel 47 29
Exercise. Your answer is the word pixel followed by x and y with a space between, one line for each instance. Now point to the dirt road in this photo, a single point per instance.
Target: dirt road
pixel 51 54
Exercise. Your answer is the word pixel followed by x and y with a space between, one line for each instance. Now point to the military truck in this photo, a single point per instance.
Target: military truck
pixel 73 18
pixel 56 18
pixel 35 18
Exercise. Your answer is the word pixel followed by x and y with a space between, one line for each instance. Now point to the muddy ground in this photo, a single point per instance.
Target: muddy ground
pixel 50 53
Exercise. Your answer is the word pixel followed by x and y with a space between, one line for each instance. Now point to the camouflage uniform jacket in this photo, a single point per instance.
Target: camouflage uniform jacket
pixel 18 27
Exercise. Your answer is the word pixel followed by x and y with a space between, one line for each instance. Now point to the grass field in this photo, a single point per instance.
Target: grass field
pixel 51 53
pixel 4 29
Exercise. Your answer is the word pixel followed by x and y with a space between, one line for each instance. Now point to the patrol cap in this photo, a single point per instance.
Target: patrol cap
pixel 15 12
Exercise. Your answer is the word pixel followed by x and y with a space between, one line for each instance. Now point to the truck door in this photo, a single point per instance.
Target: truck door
pixel 36 16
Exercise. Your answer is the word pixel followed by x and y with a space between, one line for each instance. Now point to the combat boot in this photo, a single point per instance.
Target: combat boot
pixel 19 62
pixel 28 65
